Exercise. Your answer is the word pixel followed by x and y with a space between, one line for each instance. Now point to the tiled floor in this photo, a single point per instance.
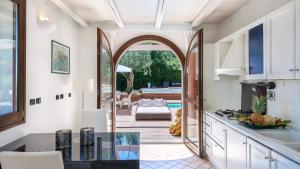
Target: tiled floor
pixel 159 149
pixel 170 156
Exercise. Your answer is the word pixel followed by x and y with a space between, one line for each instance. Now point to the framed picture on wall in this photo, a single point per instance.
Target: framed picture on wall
pixel 60 58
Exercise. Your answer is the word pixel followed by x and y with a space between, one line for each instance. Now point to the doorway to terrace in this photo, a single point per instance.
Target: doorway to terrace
pixel 148 89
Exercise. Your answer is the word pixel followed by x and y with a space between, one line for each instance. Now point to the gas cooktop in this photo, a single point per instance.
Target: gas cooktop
pixel 230 114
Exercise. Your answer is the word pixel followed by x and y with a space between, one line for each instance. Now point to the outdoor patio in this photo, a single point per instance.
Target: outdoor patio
pixel 151 131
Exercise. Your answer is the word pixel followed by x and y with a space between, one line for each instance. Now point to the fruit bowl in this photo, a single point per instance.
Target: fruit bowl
pixel 258 121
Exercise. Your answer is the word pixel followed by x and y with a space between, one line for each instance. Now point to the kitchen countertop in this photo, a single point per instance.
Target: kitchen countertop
pixel 257 134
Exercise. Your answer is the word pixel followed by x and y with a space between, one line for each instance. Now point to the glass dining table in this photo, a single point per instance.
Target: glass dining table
pixel 119 150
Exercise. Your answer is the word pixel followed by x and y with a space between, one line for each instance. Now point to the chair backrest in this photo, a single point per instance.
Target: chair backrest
pixel 96 118
pixel 31 160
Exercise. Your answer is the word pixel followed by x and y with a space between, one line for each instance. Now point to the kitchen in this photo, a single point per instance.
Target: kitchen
pixel 255 53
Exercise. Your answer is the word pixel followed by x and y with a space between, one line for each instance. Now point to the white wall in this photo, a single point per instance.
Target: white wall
pixel 51 115
pixel 287 101
pixel 218 94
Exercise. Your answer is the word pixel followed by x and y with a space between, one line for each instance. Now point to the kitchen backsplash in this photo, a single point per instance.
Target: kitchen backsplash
pixel 287 101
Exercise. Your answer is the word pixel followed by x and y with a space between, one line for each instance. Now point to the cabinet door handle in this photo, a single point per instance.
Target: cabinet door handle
pixel 297 69
pixel 267 158
pixel 244 142
pixel 291 70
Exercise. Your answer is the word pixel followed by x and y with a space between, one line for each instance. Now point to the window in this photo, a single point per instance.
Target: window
pixel 12 63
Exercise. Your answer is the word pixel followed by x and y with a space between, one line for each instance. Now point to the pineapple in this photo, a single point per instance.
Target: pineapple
pixel 258 104
pixel 258 107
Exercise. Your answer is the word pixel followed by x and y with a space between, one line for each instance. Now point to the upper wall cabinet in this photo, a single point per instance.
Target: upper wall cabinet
pixel 281 43
pixel 256 50
pixel 298 38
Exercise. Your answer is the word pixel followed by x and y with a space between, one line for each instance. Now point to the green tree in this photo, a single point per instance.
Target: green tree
pixel 156 67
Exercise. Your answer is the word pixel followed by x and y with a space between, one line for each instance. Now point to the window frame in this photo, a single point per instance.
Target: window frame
pixel 19 117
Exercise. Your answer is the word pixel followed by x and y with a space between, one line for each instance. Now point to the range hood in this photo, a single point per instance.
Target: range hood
pixel 232 62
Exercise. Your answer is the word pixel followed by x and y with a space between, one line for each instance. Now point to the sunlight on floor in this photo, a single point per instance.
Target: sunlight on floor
pixel 170 156
pixel 164 152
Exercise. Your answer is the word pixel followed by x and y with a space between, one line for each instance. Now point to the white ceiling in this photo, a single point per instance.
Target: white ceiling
pixel 182 11
pixel 139 12
pixel 91 10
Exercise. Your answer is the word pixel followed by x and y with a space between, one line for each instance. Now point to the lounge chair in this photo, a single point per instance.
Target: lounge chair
pixel 153 110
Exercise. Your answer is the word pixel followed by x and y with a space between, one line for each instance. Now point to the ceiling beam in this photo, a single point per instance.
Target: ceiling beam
pixel 117 16
pixel 210 6
pixel 160 13
pixel 69 12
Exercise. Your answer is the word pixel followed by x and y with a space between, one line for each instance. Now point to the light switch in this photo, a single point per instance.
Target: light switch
pixel 271 95
pixel 32 102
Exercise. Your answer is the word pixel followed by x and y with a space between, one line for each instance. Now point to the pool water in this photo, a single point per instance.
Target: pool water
pixel 174 105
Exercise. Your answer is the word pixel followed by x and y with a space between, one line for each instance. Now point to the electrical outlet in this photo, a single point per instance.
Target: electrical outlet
pixel 271 95
pixel 61 96
pixel 32 102
pixel 38 100
pixel 57 97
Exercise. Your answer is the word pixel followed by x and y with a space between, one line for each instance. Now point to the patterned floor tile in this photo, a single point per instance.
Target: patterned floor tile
pixel 170 156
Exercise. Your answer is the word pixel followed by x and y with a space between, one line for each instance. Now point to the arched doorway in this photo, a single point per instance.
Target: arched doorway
pixel 127 45
pixel 160 39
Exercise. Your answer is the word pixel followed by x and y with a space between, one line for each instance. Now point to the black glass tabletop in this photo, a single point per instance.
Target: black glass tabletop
pixel 108 146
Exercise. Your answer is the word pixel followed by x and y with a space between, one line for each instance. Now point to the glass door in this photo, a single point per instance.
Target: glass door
pixel 193 95
pixel 104 77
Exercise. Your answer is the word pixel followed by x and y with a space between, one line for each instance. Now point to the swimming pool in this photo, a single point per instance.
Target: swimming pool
pixel 174 105
pixel 170 90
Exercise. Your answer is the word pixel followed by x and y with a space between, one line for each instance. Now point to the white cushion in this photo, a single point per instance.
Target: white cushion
pixel 158 102
pixel 31 160
pixel 146 103
pixel 151 110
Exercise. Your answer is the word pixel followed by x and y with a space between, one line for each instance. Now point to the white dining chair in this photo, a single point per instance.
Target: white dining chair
pixel 96 118
pixel 31 160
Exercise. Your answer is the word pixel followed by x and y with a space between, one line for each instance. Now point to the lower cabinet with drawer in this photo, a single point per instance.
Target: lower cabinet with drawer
pixel 227 148
pixel 218 155
pixel 215 153
pixel 258 155
pixel 218 131
pixel 236 146
pixel 280 162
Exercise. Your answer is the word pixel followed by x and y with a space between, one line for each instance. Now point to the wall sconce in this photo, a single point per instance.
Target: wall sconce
pixel 43 18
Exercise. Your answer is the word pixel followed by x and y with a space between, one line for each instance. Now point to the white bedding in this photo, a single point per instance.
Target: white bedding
pixel 152 110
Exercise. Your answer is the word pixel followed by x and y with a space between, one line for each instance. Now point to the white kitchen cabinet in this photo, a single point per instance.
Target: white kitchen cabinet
pixel 217 156
pixel 297 38
pixel 208 144
pixel 258 156
pixel 256 50
pixel 281 43
pixel 218 131
pixel 207 124
pixel 236 149
pixel 280 162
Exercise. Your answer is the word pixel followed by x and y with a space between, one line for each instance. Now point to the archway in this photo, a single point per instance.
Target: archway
pixel 160 39
pixel 140 39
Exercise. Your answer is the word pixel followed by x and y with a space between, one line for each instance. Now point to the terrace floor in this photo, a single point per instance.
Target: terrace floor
pixel 156 132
